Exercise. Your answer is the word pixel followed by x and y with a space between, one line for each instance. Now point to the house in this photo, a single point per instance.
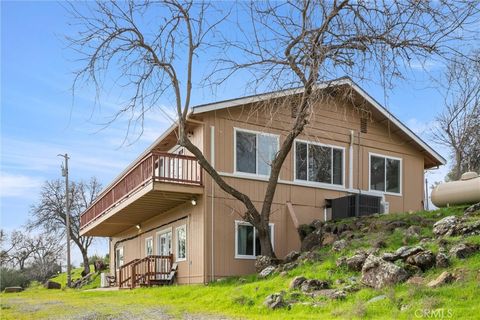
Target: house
pixel 163 203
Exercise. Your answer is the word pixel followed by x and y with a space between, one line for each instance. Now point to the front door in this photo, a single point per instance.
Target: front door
pixel 164 240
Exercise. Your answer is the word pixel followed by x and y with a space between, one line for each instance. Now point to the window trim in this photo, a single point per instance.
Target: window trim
pixel 177 259
pixel 244 223
pixel 370 154
pixel 160 232
pixel 117 265
pixel 247 174
pixel 316 183
pixel 153 249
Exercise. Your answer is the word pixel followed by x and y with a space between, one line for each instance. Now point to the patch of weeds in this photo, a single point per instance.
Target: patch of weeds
pixel 244 300
pixel 4 306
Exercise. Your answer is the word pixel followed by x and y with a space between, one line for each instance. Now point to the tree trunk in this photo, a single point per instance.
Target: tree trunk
pixel 265 241
pixel 86 264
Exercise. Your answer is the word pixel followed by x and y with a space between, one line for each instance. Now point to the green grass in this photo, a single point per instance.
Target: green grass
pixel 77 274
pixel 244 299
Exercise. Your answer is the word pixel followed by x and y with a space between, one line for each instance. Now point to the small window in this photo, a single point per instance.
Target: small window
pixel 149 246
pixel 254 152
pixel 318 163
pixel 181 233
pixel 119 259
pixel 385 174
pixel 247 240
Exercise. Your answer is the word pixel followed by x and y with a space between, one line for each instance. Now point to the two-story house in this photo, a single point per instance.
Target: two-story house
pixel 163 203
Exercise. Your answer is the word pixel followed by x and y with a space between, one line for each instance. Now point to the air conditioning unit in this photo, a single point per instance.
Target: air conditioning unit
pixel 385 207
pixel 355 205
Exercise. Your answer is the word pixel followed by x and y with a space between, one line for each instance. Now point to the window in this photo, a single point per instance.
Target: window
pixel 181 243
pixel 119 259
pixel 149 246
pixel 247 242
pixel 164 242
pixel 385 174
pixel 254 152
pixel 318 163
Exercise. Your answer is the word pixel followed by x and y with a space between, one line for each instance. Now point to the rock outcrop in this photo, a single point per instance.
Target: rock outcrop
pixel 378 273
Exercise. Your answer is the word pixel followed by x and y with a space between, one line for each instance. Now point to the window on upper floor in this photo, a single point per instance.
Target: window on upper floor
pixel 318 163
pixel 247 242
pixel 385 174
pixel 254 151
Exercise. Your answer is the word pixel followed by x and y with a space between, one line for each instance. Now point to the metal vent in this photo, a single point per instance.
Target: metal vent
pixel 363 125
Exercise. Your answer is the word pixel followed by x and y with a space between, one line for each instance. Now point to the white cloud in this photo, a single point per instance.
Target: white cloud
pixel 14 185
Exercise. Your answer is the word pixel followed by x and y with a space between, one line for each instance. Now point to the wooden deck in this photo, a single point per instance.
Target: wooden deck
pixel 174 177
pixel 150 271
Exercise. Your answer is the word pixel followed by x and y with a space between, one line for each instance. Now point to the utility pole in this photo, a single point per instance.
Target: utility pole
pixel 67 219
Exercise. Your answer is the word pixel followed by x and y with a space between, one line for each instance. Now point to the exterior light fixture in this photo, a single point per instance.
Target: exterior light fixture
pixel 137 226
pixel 194 202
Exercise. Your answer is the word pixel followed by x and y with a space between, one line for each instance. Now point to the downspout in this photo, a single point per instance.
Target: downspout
pixel 350 160
pixel 212 161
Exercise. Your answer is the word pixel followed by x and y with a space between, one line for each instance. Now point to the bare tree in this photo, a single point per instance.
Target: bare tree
pixel 49 213
pixel 458 126
pixel 284 44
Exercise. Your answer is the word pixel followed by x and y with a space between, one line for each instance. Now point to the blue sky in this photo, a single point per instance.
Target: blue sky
pixel 39 119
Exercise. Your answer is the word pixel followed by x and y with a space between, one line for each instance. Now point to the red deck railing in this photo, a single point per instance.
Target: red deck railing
pixel 157 166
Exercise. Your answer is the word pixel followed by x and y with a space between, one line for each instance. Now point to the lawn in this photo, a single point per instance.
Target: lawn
pixel 243 298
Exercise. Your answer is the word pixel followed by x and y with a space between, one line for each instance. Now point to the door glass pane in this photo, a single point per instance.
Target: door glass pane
pixel 267 148
pixel 301 161
pixel 319 164
pixel 245 240
pixel 246 152
pixel 337 166
pixel 393 175
pixel 377 173
pixel 149 247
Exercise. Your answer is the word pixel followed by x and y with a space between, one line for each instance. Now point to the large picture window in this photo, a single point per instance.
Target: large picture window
pixel 254 152
pixel 385 174
pixel 247 242
pixel 181 233
pixel 318 163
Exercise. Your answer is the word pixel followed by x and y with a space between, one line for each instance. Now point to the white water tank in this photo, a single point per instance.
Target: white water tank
pixel 464 191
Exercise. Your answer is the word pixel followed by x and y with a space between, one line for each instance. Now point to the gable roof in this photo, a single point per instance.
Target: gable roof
pixel 338 82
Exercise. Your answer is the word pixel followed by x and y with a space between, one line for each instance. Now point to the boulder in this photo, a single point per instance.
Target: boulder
pixel 342 261
pixel 339 245
pixel 392 225
pixel 264 261
pixel 413 231
pixel 445 226
pixel 378 273
pixel 401 253
pixel 355 263
pixel 417 281
pixel 314 285
pixel 288 266
pixel 472 210
pixel 412 269
pixel 296 282
pixel 275 301
pixel 442 260
pixel 445 277
pixel 292 256
pixel 13 289
pixel 312 241
pixel 317 224
pixel 52 285
pixel 266 272
pixel 328 239
pixel 423 259
pixel 333 294
pixel 463 250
